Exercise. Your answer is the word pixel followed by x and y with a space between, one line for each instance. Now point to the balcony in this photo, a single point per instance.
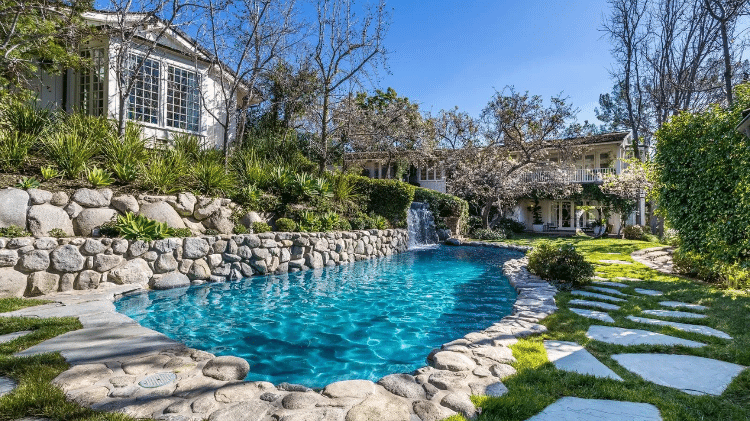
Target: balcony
pixel 592 175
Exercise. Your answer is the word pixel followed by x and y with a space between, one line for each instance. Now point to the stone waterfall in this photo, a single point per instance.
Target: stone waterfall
pixel 421 225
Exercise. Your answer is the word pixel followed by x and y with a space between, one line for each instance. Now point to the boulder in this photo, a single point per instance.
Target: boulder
pixel 254 410
pixel 89 198
pixel 461 403
pixel 165 263
pixel 206 207
pixel 91 218
pixel 34 260
pixel 41 283
pixel 14 205
pixel 125 203
pixel 250 218
pixel 38 196
pixel 59 198
pixel 162 212
pixel 380 407
pixel 173 280
pixel 8 258
pixel 428 411
pixel 221 221
pixel 199 270
pixel 402 385
pixel 453 361
pixel 105 262
pixel 12 283
pixel 350 389
pixel 88 279
pixel 44 218
pixel 195 226
pixel 46 243
pixel 195 248
pixel 93 246
pixel 67 259
pixel 73 209
pixel 184 203
pixel 66 281
pixel 135 271
pixel 226 368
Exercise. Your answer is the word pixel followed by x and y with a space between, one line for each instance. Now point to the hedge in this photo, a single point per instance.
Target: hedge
pixel 703 188
pixel 444 206
pixel 390 199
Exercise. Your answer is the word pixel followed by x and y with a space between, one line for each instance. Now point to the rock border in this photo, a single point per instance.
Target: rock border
pixel 212 387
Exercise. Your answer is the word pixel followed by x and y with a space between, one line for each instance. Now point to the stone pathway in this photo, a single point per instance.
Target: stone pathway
pixel 593 314
pixel 657 258
pixel 569 356
pixel 675 314
pixel 577 409
pixel 597 296
pixel 7 385
pixel 685 327
pixel 677 304
pixel 616 262
pixel 611 291
pixel 649 292
pixel 13 336
pixel 595 304
pixel 630 337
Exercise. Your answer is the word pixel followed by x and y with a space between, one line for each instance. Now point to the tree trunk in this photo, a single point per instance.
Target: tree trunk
pixel 121 116
pixel 324 136
pixel 727 62
pixel 486 214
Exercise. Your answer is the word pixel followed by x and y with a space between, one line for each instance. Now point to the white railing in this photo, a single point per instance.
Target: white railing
pixel 571 176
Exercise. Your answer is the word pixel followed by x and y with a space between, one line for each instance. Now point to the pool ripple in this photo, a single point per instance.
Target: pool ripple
pixel 359 321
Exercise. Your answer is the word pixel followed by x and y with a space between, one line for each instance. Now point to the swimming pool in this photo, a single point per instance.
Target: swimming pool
pixel 359 321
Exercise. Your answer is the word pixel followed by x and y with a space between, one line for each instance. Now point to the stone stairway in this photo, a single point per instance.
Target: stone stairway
pixel 690 374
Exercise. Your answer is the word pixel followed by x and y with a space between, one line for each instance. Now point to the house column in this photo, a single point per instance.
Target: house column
pixel 642 210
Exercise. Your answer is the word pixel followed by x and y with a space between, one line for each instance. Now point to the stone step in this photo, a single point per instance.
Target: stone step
pixel 12 336
pixel 597 296
pixel 677 304
pixel 650 292
pixel 608 291
pixel 625 278
pixel 7 385
pixel 576 409
pixel 629 337
pixel 611 284
pixel 685 327
pixel 595 304
pixel 569 356
pixel 692 375
pixel 674 313
pixel 615 262
pixel 593 314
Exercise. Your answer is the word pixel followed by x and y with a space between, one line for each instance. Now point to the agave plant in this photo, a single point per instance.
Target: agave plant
pixel 138 227
pixel 49 172
pixel 98 177
pixel 125 172
pixel 28 183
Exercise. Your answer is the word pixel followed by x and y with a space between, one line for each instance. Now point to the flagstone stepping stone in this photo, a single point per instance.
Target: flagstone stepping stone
pixel 595 295
pixel 674 313
pixel 593 314
pixel 11 336
pixel 599 278
pixel 595 304
pixel 703 330
pixel 629 337
pixel 569 408
pixel 692 375
pixel 611 284
pixel 625 278
pixel 677 304
pixel 608 291
pixel 613 254
pixel 616 262
pixel 7 385
pixel 569 356
pixel 650 292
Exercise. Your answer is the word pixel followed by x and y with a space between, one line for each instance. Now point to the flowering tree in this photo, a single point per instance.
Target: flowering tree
pixel 633 183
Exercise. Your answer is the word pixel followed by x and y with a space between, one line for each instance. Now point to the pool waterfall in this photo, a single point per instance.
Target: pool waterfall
pixel 421 225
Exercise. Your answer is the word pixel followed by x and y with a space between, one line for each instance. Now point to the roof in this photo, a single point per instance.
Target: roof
pixel 615 137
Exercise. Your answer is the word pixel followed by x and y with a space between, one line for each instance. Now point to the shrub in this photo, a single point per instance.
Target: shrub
pixel 343 225
pixel 138 227
pixel 671 237
pixel 380 222
pixel 634 232
pixel 189 146
pixel 14 231
pixel 49 172
pixel 130 149
pixel 14 150
pixel 210 177
pixel 329 221
pixel 249 196
pixel 390 199
pixel 711 270
pixel 25 118
pixel 559 262
pixel 259 227
pixel 125 172
pixel 211 231
pixel 57 233
pixel 488 234
pixel 28 183
pixel 182 232
pixel 444 206
pixel 510 225
pixel 165 172
pixel 308 222
pixel 285 225
pixel 239 229
pixel 98 177
pixel 361 222
pixel 69 152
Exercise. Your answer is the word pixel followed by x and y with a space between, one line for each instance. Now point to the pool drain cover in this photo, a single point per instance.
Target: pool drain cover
pixel 157 380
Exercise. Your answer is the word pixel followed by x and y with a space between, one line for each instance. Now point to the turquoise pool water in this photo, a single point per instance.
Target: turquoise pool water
pixel 358 321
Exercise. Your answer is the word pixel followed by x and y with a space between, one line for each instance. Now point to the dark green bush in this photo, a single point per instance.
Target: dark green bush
pixel 559 262
pixel 487 234
pixel 285 225
pixel 701 165
pixel 390 199
pixel 695 265
pixel 362 222
pixel 344 225
pixel 259 227
pixel 510 225
pixel 240 229
pixel 634 232
pixel 444 206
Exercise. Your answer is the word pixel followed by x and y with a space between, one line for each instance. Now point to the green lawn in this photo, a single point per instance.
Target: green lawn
pixel 539 384
pixel 35 395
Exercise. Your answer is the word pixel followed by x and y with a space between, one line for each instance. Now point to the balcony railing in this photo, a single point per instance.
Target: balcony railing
pixel 591 175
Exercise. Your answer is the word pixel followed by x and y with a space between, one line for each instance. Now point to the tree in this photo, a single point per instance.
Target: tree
pixel 455 129
pixel 345 50
pixel 724 13
pixel 39 34
pixel 632 184
pixel 520 134
pixel 245 39
pixel 384 122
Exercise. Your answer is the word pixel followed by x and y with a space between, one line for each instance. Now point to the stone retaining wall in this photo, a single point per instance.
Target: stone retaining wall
pixel 81 214
pixel 38 266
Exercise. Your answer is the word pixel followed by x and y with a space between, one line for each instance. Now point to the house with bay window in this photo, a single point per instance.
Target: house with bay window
pixel 174 87
pixel 601 155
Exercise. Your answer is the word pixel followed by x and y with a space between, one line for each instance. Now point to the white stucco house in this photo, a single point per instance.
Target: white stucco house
pixel 602 154
pixel 175 86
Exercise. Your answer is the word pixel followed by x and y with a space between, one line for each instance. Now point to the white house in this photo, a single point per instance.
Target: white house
pixel 603 154
pixel 174 90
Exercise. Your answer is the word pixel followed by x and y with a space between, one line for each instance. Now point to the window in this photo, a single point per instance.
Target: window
pixel 183 99
pixel 604 160
pixel 91 95
pixel 143 103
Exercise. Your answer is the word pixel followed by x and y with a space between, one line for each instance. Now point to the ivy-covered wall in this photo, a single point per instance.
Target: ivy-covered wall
pixel 444 207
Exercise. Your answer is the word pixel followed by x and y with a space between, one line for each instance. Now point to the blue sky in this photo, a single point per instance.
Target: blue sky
pixel 456 53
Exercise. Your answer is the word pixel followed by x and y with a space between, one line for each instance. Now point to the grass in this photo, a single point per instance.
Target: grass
pixel 538 383
pixel 35 395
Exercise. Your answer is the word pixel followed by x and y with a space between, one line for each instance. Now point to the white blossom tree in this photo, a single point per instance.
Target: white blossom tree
pixel 630 185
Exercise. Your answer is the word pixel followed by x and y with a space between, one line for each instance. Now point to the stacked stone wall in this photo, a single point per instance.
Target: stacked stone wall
pixel 37 266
